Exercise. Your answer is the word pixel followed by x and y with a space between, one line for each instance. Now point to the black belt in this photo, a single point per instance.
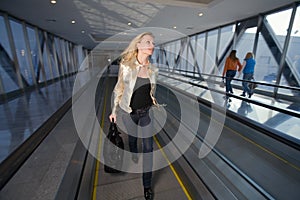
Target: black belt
pixel 140 110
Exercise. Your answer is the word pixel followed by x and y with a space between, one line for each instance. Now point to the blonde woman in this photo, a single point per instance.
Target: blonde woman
pixel 133 98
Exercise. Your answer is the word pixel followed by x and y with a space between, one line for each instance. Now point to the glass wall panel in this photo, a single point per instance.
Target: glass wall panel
pixel 245 44
pixel 177 50
pixel 75 57
pixel 200 51
pixel 71 54
pixel 46 62
pixel 183 56
pixel 33 49
pixel 64 56
pixel 189 57
pixel 170 48
pixel 69 64
pixel 4 37
pixel 59 56
pixel 21 52
pixel 168 55
pixel 52 55
pixel 155 56
pixel 266 68
pixel 80 55
pixel 165 56
pixel 226 36
pixel 279 23
pixel 293 53
pixel 162 56
pixel 71 57
pixel 212 40
pixel 41 75
pixel 192 62
pixel 7 72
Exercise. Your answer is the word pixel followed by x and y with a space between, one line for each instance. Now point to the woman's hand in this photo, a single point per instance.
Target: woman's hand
pixel 113 118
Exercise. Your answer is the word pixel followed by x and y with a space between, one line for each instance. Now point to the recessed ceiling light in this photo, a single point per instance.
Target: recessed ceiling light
pixel 174 27
pixel 200 14
pixel 73 21
pixel 83 31
pixel 129 23
pixel 53 1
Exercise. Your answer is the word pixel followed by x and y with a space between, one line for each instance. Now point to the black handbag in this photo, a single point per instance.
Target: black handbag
pixel 113 150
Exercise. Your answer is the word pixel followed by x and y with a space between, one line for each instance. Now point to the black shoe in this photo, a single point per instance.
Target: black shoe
pixel 135 158
pixel 148 194
pixel 250 95
pixel 243 95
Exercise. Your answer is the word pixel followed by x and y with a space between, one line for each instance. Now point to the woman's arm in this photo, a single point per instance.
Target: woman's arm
pixel 118 92
pixel 240 65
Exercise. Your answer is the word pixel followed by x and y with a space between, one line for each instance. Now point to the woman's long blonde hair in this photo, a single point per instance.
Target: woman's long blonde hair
pixel 130 53
pixel 249 55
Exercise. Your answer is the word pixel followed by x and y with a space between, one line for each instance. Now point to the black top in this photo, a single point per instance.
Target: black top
pixel 141 94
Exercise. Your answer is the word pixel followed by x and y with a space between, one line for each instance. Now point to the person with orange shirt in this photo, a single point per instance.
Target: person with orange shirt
pixel 232 64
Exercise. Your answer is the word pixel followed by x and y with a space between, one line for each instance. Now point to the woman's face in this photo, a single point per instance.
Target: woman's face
pixel 146 45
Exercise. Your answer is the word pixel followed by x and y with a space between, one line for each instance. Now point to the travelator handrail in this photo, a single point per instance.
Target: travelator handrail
pixel 278 109
pixel 236 79
pixel 257 82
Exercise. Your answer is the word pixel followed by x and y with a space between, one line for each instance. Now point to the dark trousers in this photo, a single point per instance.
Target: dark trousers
pixel 139 125
pixel 247 77
pixel 229 76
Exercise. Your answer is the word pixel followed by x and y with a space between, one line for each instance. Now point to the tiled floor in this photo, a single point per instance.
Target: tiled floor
pixel 22 116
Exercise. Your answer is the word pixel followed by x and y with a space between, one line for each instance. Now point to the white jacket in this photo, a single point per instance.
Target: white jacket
pixel 126 81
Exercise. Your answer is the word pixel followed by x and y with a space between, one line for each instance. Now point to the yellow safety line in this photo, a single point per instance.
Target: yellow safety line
pixel 96 178
pixel 173 170
pixel 165 156
pixel 99 149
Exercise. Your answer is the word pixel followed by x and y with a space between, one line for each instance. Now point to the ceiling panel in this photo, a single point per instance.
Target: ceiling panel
pixel 97 20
